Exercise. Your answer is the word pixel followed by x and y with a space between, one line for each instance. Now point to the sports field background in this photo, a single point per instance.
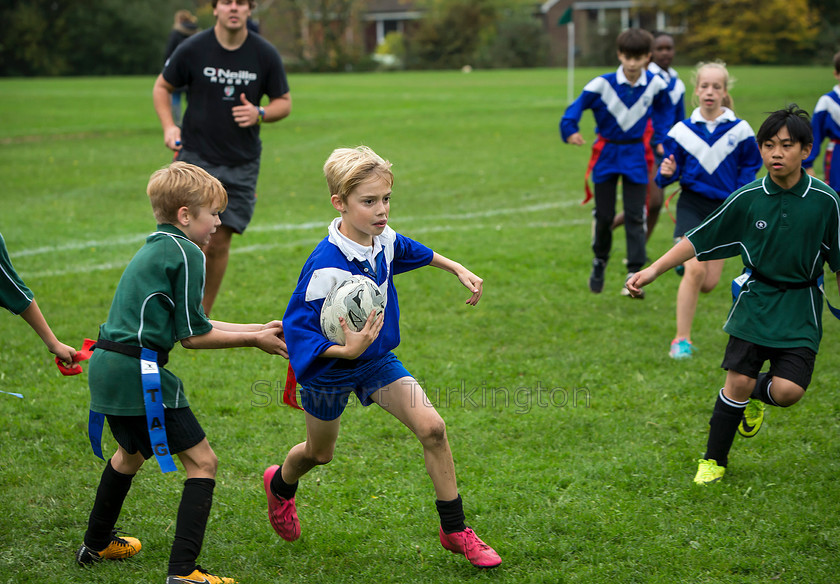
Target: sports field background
pixel 575 436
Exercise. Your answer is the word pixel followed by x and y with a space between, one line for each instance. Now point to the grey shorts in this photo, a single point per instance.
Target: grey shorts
pixel 239 181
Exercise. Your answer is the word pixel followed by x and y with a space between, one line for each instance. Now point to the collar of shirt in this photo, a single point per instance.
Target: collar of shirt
pixel 800 189
pixel 171 230
pixel 666 74
pixel 352 250
pixel 837 90
pixel 621 78
pixel 727 116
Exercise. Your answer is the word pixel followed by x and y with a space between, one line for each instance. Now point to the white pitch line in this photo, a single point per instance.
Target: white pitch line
pixel 404 221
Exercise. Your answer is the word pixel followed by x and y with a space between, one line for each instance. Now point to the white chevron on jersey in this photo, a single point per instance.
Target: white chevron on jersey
pixel 711 155
pixel 678 91
pixel 827 104
pixel 625 117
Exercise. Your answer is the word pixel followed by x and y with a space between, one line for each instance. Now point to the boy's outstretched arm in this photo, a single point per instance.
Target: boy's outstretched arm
pixel 472 282
pixel 678 254
pixel 245 328
pixel 269 339
pixel 33 316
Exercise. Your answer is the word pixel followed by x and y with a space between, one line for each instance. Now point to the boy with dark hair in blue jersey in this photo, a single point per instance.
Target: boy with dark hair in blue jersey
pixel 361 243
pixel 826 124
pixel 156 304
pixel 622 103
pixel 785 227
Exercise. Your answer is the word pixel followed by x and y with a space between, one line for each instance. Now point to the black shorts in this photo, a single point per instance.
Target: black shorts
pixel 239 181
pixel 182 431
pixel 795 364
pixel 692 210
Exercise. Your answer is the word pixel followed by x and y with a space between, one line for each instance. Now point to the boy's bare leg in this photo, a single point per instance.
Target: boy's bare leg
pixel 318 448
pixel 406 400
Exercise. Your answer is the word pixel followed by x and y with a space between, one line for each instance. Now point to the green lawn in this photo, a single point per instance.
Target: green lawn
pixel 575 436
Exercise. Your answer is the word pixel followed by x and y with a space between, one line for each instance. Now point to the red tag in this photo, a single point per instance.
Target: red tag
pixel 82 354
pixel 289 393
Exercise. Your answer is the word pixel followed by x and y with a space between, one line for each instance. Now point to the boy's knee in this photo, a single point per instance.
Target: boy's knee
pixel 432 433
pixel 785 393
pixel 208 464
pixel 321 456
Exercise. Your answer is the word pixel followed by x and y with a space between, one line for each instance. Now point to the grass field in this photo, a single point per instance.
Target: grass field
pixel 575 436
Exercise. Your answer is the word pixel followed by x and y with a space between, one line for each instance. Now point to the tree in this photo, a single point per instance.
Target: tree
pixel 323 32
pixel 450 34
pixel 746 31
pixel 75 37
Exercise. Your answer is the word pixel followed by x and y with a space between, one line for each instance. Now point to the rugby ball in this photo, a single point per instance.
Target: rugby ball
pixel 353 299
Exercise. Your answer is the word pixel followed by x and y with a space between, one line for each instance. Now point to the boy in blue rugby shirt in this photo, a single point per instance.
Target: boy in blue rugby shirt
pixel 361 243
pixel 622 103
pixel 826 124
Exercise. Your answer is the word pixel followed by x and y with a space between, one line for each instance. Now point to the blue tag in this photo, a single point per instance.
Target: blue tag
pixel 153 398
pixel 739 282
pixel 96 422
pixel 834 311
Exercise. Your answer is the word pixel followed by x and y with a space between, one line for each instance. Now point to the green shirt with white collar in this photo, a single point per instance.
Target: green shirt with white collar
pixel 787 235
pixel 157 303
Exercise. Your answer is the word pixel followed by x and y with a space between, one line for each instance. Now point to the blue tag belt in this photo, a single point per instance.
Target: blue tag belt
pixel 153 400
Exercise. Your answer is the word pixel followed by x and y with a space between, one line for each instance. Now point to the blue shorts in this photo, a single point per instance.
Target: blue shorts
pixel 325 397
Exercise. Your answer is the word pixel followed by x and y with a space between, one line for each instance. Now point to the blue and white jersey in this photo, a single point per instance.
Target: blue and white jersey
pixel 621 113
pixel 676 92
pixel 826 124
pixel 334 260
pixel 714 158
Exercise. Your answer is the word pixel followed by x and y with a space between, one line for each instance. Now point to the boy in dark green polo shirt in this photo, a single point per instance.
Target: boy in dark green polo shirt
pixel 18 299
pixel 785 227
pixel 158 302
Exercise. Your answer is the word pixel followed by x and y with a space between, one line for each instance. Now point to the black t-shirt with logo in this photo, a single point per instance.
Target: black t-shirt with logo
pixel 215 78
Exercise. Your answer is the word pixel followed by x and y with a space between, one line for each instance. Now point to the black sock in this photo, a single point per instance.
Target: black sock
pixel 280 488
pixel 451 515
pixel 762 389
pixel 722 427
pixel 189 529
pixel 110 495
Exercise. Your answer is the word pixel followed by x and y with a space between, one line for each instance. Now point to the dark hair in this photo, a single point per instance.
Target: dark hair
pixel 837 62
pixel 251 3
pixel 796 120
pixel 634 42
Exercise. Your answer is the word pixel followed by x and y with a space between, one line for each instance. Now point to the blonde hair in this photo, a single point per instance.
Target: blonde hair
pixel 183 185
pixel 347 168
pixel 728 82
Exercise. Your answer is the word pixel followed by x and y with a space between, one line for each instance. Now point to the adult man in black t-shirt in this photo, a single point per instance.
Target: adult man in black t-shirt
pixel 227 71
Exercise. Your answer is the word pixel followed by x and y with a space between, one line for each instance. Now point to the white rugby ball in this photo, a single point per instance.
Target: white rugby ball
pixel 353 299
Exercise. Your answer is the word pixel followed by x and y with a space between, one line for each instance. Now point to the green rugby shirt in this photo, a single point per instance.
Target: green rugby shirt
pixel 787 235
pixel 14 295
pixel 157 302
